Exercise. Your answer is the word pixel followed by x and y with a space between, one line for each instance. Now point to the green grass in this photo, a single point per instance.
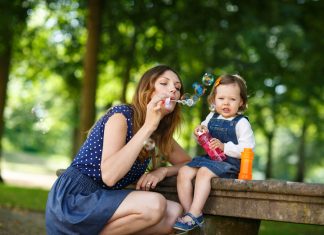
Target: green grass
pixel 23 198
pixel 281 228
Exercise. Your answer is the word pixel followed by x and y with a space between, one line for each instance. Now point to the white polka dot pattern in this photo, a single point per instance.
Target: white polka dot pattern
pixel 89 156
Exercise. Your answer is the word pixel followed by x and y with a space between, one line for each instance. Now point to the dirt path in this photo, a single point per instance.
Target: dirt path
pixel 25 171
pixel 19 222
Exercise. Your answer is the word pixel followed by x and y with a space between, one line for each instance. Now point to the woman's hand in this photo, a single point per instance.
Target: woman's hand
pixel 155 111
pixel 216 143
pixel 151 179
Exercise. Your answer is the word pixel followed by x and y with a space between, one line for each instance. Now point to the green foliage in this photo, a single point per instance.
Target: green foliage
pixel 275 45
pixel 33 117
pixel 23 198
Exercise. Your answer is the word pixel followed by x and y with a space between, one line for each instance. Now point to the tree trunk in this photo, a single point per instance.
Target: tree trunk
pixel 88 96
pixel 268 172
pixel 301 153
pixel 128 67
pixel 5 56
pixel 75 132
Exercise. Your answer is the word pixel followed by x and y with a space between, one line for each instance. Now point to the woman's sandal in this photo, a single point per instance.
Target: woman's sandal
pixel 189 225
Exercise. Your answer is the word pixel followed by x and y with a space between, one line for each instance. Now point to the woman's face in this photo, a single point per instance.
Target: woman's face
pixel 168 85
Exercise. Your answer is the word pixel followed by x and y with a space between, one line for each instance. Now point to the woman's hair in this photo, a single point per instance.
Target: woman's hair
pixel 230 79
pixel 163 135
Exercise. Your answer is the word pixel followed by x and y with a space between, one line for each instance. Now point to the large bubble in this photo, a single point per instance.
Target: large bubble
pixel 208 79
pixel 198 88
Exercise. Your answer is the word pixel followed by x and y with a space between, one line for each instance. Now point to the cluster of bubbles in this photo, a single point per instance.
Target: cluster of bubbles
pixel 207 79
pixel 199 89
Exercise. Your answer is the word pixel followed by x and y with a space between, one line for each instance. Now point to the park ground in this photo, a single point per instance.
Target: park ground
pixel 26 170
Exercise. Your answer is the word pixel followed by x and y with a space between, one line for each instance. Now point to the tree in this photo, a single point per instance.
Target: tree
pixel 88 96
pixel 13 21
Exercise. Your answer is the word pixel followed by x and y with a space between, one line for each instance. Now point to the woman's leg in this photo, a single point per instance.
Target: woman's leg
pixel 185 187
pixel 143 211
pixel 202 190
pixel 174 211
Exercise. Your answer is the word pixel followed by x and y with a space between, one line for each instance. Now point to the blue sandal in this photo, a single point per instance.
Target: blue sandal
pixel 190 225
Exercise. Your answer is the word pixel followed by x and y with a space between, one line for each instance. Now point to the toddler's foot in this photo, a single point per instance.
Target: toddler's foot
pixel 188 222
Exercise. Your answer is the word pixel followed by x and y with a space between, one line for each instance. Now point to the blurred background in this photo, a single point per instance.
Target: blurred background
pixel 64 62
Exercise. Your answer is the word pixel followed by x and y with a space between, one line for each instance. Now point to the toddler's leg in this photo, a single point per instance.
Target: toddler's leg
pixel 185 187
pixel 202 190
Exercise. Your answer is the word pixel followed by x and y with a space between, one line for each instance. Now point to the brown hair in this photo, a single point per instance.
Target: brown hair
pixel 230 79
pixel 164 133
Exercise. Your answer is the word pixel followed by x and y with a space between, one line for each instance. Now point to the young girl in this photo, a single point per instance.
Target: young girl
pixel 90 196
pixel 231 132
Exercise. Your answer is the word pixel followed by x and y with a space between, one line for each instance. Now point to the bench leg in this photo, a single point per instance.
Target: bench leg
pixel 223 225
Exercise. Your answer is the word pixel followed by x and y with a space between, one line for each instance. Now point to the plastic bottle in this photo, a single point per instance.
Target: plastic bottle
pixel 214 154
pixel 246 164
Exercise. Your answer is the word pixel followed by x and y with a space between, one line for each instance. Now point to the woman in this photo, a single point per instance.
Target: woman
pixel 90 197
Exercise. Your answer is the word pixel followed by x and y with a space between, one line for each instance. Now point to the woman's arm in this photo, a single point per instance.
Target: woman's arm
pixel 178 157
pixel 117 156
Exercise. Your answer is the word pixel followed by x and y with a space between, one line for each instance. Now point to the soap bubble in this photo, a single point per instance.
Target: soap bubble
pixel 149 144
pixel 212 107
pixel 195 98
pixel 190 102
pixel 185 96
pixel 198 88
pixel 208 79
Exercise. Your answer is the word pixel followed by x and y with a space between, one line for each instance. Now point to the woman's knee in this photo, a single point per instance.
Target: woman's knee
pixel 155 207
pixel 174 210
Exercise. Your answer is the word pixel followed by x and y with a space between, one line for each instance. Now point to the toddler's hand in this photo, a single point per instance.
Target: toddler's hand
pixel 200 128
pixel 216 143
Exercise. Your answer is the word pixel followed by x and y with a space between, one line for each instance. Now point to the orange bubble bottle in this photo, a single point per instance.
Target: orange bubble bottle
pixel 246 164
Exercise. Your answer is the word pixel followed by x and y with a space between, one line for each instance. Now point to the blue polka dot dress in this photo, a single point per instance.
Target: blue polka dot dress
pixel 79 201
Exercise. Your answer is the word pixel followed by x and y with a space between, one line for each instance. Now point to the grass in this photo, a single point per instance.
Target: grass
pixel 281 228
pixel 23 198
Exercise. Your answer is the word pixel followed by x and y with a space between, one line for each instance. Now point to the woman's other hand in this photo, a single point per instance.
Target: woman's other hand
pixel 150 180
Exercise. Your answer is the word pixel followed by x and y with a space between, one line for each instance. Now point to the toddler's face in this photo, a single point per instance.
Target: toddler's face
pixel 227 100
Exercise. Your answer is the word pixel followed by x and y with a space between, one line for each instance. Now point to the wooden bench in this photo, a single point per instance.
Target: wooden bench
pixel 238 206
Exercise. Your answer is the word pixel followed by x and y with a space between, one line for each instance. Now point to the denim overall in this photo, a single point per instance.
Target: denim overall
pixel 224 130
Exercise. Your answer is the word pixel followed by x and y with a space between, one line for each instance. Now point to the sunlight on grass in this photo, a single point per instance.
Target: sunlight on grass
pixel 34 163
pixel 281 228
pixel 23 198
